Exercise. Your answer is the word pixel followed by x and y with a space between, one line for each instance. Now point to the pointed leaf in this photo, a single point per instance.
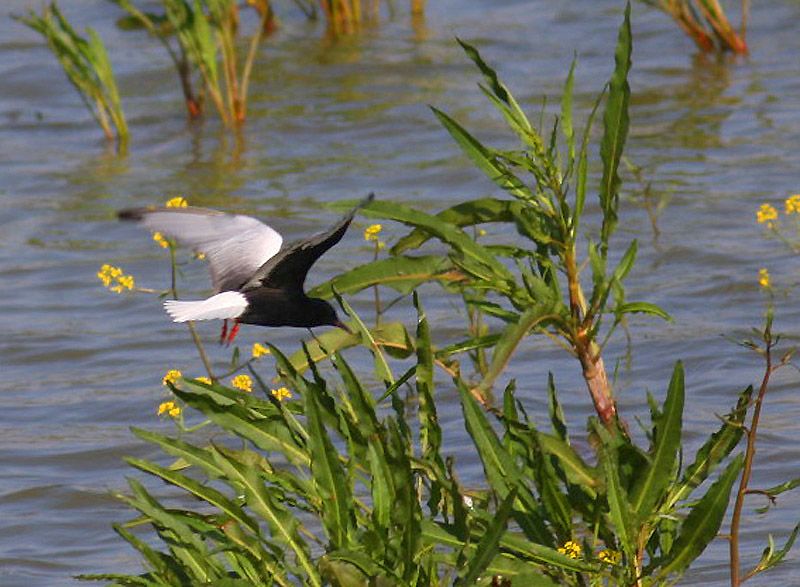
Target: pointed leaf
pixel 615 130
pixel 702 524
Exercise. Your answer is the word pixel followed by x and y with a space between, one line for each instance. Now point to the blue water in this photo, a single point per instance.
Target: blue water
pixel 332 122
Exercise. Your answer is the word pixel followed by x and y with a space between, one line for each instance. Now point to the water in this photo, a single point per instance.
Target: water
pixel 80 365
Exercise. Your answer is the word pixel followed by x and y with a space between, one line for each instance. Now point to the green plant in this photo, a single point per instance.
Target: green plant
pixel 544 292
pixel 345 489
pixel 706 23
pixel 205 47
pixel 85 61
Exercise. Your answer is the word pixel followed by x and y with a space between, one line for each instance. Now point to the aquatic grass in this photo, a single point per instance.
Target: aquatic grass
pixel 86 64
pixel 205 50
pixel 706 23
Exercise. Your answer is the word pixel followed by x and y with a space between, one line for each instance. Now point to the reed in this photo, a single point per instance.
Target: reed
pixel 86 64
pixel 201 40
pixel 706 23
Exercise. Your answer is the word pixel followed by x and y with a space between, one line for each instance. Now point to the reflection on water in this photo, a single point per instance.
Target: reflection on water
pixel 335 121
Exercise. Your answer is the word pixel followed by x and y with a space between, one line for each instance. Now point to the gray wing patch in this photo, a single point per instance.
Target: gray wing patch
pixel 235 245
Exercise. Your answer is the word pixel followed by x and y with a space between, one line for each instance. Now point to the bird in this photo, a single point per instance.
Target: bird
pixel 256 280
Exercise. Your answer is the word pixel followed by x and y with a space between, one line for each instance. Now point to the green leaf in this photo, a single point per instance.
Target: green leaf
pixel 653 482
pixel 497 87
pixel 702 524
pixel 204 492
pixel 400 273
pixel 615 130
pixel 283 525
pixel 574 467
pixel 642 308
pixel 430 433
pixel 583 169
pixel 501 470
pixel 391 336
pixel 488 546
pixel 483 158
pixel 468 213
pixel 187 548
pixel 771 557
pixel 557 419
pixel 566 114
pixel 714 450
pixel 330 481
pixel 618 504
pixel 473 258
pixel 382 369
pixel 511 543
pixel 537 316
pixel 268 434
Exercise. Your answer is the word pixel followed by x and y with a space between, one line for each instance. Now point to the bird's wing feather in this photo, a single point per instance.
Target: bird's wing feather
pixel 235 245
pixel 288 269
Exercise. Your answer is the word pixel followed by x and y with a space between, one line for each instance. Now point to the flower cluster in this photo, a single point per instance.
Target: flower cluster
pixel 371 232
pixel 205 380
pixel 161 240
pixel 170 408
pixel 609 557
pixel 763 278
pixel 259 350
pixel 281 394
pixel 176 202
pixel 793 204
pixel 572 549
pixel 371 235
pixel 172 377
pixel 766 214
pixel 115 279
pixel 243 383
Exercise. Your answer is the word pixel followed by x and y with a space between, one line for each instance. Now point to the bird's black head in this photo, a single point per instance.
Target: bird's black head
pixel 325 315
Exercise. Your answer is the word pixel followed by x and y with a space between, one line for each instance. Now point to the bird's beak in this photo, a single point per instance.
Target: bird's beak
pixel 343 326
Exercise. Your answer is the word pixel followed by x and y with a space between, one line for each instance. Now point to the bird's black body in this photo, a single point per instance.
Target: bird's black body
pixel 272 291
pixel 270 307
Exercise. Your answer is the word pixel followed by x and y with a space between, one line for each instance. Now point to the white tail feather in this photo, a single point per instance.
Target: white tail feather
pixel 228 304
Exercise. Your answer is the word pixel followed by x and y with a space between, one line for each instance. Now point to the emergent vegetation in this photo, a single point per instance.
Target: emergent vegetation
pixel 347 486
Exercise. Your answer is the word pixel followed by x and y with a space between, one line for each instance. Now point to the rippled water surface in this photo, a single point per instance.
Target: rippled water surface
pixel 334 121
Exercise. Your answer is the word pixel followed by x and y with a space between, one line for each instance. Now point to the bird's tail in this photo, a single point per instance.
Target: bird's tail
pixel 228 304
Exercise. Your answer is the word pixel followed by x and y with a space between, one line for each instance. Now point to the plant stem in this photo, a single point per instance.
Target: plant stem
pixel 195 337
pixel 752 435
pixel 586 350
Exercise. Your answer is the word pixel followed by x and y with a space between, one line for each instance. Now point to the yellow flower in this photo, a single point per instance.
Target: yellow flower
pixel 281 394
pixel 371 232
pixel 610 557
pixel 171 408
pixel 109 274
pixel 763 278
pixel 172 376
pixel 205 380
pixel 259 350
pixel 766 213
pixel 159 238
pixel 481 232
pixel 243 383
pixel 793 204
pixel 200 256
pixel 571 548
pixel 177 202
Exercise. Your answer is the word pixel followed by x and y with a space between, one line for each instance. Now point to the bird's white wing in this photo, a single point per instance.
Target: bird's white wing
pixel 234 245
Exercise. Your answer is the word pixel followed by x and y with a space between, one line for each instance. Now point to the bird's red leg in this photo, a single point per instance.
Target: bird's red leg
pixel 224 332
pixel 234 331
